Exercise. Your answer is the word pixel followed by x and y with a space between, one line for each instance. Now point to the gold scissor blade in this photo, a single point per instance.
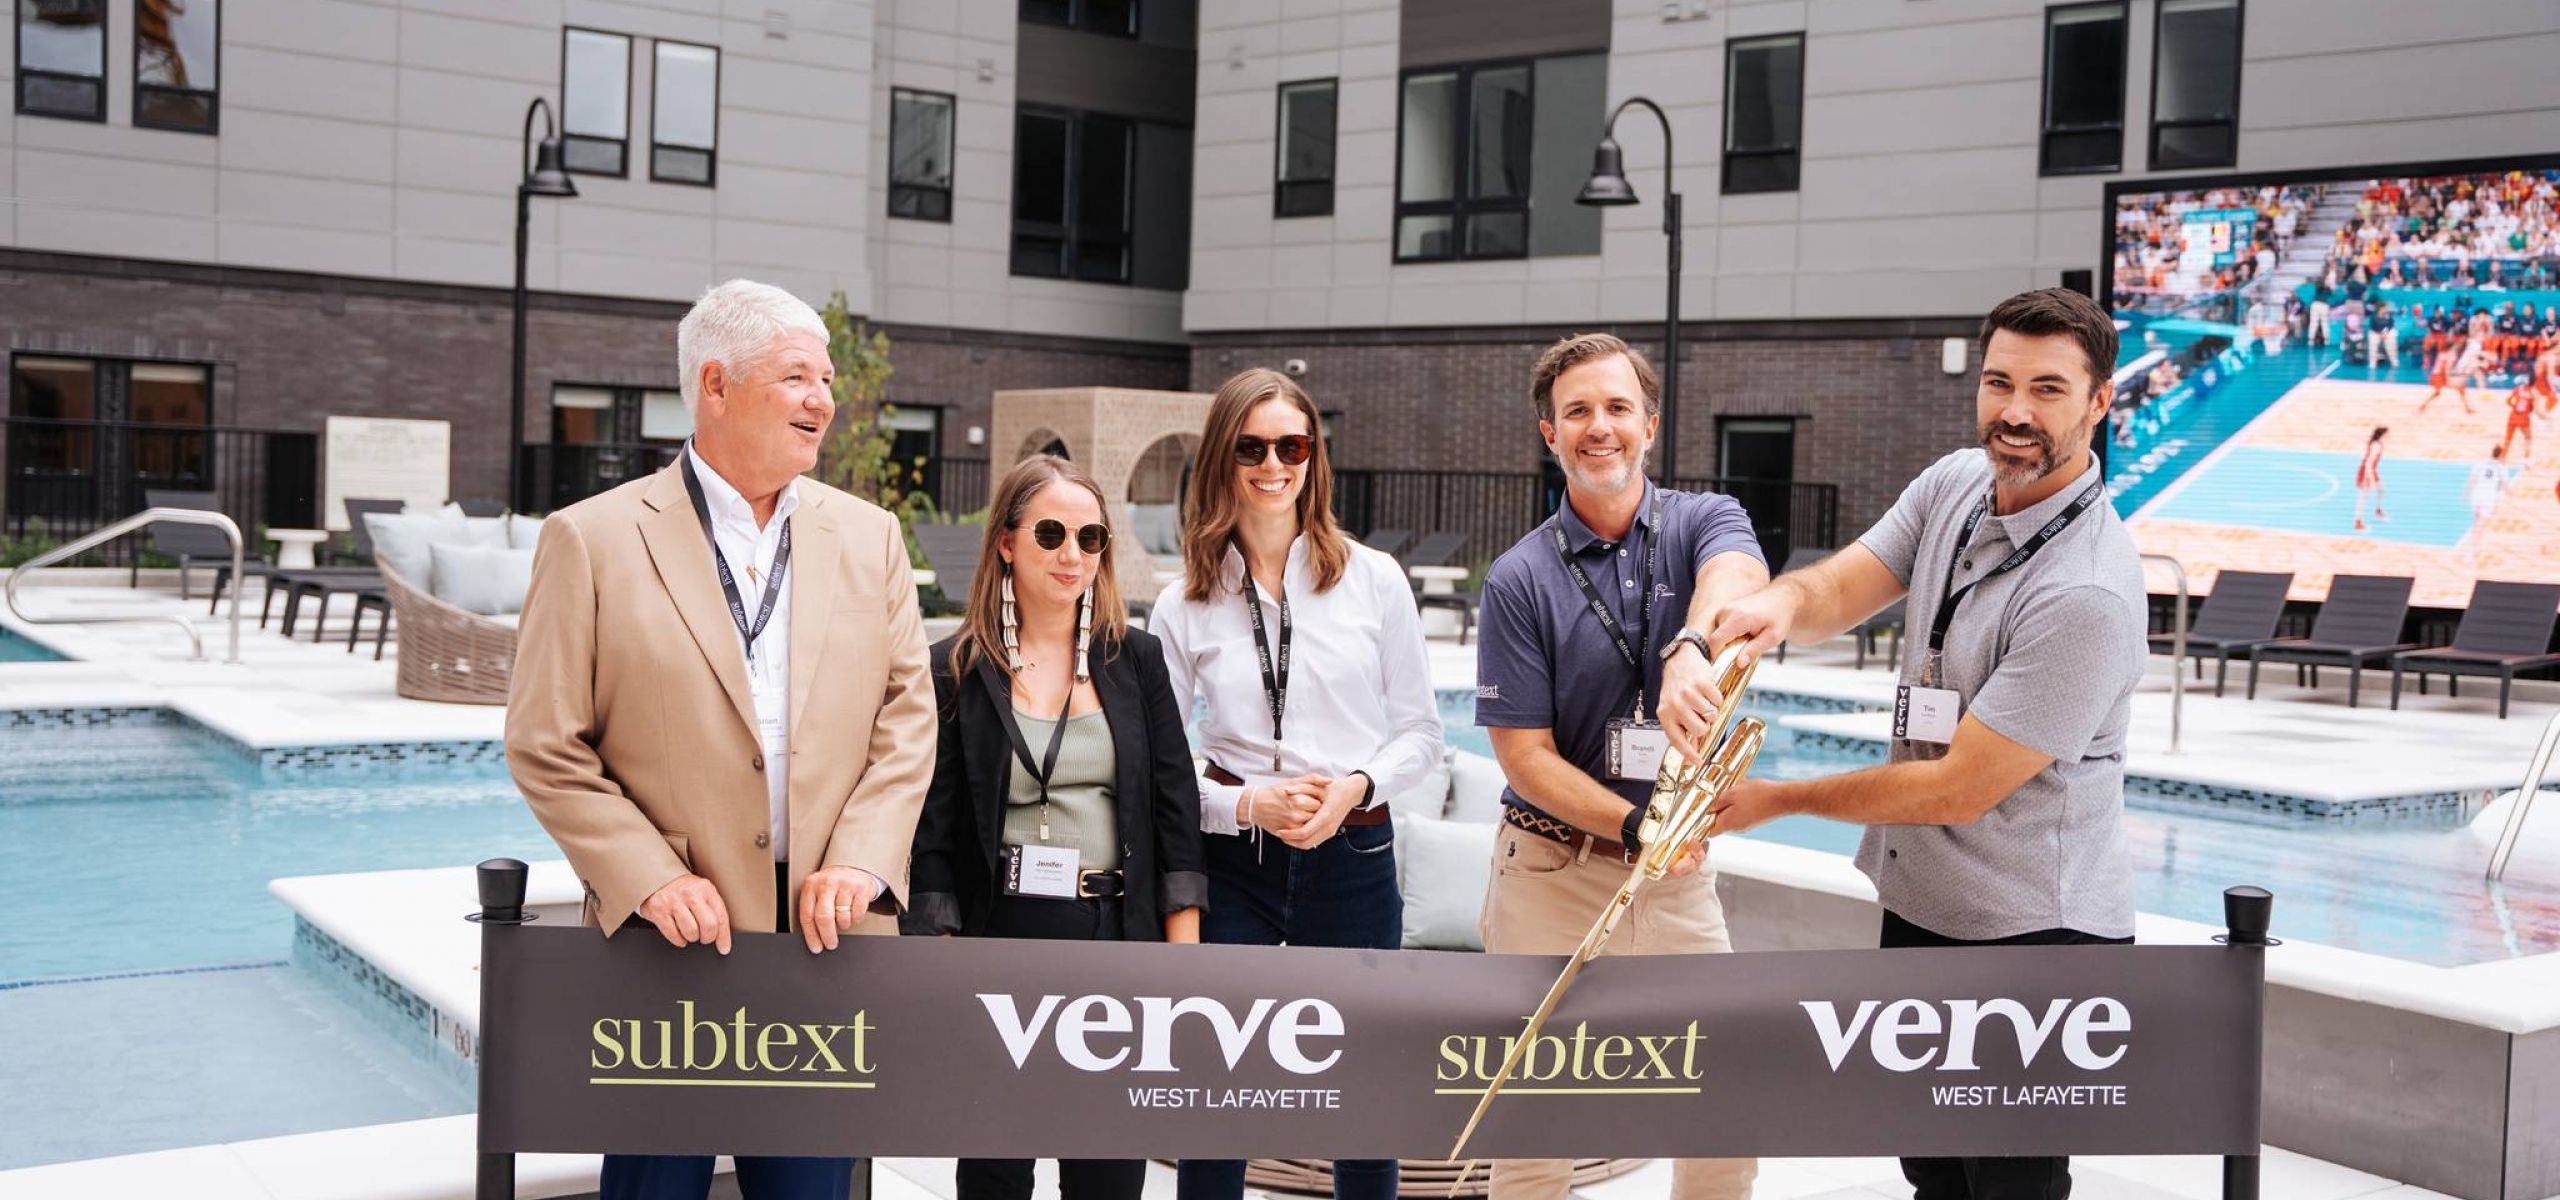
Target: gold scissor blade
pixel 1591 943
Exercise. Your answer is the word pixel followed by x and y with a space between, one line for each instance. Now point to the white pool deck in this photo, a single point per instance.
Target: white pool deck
pixel 2298 740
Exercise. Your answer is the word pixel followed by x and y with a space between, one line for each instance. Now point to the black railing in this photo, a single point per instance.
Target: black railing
pixel 68 478
pixel 559 474
pixel 957 485
pixel 1493 508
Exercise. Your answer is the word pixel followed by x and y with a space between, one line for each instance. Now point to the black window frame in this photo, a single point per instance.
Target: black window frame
pixel 1460 207
pixel 950 158
pixel 1070 234
pixel 1792 153
pixel 212 96
pixel 2239 64
pixel 630 90
pixel 2046 130
pixel 112 373
pixel 26 74
pixel 1078 11
pixel 710 154
pixel 1281 188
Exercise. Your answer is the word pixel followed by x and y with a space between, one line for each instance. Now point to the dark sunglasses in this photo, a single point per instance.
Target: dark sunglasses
pixel 1293 449
pixel 1092 539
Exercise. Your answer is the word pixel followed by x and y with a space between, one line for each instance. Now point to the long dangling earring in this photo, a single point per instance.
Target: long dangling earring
pixel 1084 637
pixel 1012 640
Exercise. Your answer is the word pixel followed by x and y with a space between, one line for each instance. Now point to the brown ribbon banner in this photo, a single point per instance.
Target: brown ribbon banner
pixel 963 1047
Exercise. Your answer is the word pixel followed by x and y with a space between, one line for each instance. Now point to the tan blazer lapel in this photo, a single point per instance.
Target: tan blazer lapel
pixel 682 556
pixel 816 555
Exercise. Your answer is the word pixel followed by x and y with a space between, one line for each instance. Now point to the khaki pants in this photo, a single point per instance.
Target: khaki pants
pixel 1542 900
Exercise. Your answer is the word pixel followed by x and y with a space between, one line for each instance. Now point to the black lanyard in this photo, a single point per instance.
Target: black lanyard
pixel 728 582
pixel 1275 669
pixel 1951 595
pixel 1047 768
pixel 1600 608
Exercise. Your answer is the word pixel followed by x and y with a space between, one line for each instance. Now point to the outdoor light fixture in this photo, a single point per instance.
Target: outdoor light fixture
pixel 545 178
pixel 1608 187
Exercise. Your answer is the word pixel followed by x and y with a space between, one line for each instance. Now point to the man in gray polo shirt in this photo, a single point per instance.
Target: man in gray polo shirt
pixel 1999 817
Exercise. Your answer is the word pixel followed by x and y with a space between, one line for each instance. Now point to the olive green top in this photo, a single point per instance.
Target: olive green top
pixel 1083 799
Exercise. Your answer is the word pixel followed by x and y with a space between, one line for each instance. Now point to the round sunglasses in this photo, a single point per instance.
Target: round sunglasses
pixel 1293 449
pixel 1051 534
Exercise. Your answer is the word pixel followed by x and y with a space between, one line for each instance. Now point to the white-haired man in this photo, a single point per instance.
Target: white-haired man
pixel 721 710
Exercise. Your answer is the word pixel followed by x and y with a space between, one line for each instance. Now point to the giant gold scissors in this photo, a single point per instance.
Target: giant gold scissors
pixel 1676 818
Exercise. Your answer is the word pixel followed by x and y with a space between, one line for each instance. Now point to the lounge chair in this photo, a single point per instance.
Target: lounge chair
pixel 320 585
pixel 2506 629
pixel 2359 625
pixel 1441 550
pixel 360 535
pixel 193 545
pixel 1389 542
pixel 446 653
pixel 952 551
pixel 1887 622
pixel 1797 560
pixel 2240 613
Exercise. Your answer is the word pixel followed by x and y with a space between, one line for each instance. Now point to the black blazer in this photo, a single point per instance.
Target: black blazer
pixel 956 873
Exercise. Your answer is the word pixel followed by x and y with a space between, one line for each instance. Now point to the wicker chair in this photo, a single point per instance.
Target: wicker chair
pixel 1314 1176
pixel 446 654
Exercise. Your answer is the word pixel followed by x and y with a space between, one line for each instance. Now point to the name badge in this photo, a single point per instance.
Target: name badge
pixel 1926 714
pixel 1041 871
pixel 1636 749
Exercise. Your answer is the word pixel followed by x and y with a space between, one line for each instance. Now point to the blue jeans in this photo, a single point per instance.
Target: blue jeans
pixel 1342 894
pixel 688 1177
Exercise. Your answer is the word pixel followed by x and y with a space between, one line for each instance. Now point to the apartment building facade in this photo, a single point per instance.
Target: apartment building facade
pixel 262 212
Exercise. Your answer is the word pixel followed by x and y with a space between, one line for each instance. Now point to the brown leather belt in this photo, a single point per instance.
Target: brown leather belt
pixel 1557 831
pixel 1375 814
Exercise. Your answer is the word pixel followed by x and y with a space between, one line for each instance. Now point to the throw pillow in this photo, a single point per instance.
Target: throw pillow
pixel 523 531
pixel 401 540
pixel 1443 868
pixel 488 580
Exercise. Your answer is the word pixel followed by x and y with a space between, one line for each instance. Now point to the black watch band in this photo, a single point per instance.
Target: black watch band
pixel 1627 830
pixel 1688 637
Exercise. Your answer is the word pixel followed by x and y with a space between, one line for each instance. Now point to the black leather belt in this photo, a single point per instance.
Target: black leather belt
pixel 1093 885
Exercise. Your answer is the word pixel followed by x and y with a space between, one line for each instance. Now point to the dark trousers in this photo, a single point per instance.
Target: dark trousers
pixel 688 1176
pixel 1987 1178
pixel 1342 893
pixel 1094 920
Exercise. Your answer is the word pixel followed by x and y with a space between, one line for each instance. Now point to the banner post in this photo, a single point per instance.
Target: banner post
pixel 2246 914
pixel 502 883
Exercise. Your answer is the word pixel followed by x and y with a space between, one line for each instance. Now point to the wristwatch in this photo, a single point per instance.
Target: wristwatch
pixel 1688 637
pixel 1627 830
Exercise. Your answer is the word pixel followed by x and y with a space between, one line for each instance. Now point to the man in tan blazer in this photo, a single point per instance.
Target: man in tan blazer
pixel 721 708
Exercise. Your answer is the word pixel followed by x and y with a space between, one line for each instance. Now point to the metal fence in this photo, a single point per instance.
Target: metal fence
pixel 1493 508
pixel 559 474
pixel 68 478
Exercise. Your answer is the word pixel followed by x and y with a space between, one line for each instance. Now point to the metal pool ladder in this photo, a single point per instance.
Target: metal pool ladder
pixel 184 516
pixel 2533 776
pixel 2177 651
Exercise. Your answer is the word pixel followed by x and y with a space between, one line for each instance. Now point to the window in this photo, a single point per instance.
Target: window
pixel 581 416
pixel 920 141
pixel 62 58
pixel 684 130
pixel 177 57
pixel 664 419
pixel 1303 179
pixel 1763 113
pixel 1118 18
pixel 1072 175
pixel 2083 89
pixel 1462 180
pixel 2195 84
pixel 595 102
pixel 152 415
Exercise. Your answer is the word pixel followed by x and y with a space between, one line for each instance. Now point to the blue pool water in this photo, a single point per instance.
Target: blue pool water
pixel 14 648
pixel 2304 491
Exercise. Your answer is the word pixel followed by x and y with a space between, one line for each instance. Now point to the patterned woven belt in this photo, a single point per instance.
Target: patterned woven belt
pixel 1557 831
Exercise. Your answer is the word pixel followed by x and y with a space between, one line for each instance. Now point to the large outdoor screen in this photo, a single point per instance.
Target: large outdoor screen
pixel 2341 373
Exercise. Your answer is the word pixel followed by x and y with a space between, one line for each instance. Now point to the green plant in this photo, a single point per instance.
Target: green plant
pixel 24 545
pixel 857 456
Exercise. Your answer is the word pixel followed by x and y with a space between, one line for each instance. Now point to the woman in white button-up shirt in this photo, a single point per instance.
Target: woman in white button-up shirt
pixel 1319 714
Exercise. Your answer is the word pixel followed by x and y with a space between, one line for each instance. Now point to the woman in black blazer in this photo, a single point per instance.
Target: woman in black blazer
pixel 1063 803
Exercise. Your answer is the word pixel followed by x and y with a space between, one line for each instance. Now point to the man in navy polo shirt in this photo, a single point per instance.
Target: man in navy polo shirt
pixel 1587 665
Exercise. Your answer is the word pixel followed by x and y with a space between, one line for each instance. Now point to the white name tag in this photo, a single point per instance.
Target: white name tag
pixel 1041 871
pixel 1636 749
pixel 1926 714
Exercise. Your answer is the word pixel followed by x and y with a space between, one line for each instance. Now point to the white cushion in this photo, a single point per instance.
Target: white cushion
pixel 1443 868
pixel 1475 788
pixel 488 580
pixel 523 531
pixel 402 539
pixel 1430 794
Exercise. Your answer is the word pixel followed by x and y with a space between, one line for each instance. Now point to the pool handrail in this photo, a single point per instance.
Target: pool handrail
pixel 2533 776
pixel 148 516
pixel 2177 651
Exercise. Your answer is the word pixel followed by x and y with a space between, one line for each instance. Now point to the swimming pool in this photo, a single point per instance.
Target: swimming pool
pixel 15 648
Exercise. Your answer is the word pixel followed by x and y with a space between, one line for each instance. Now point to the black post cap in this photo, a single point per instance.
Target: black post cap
pixel 2248 912
pixel 502 883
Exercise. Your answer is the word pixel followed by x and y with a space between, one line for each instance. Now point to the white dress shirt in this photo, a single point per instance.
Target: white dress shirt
pixel 1359 694
pixel 750 552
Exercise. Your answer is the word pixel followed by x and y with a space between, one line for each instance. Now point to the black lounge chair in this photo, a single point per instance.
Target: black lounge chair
pixel 320 584
pixel 1888 621
pixel 2506 629
pixel 2359 625
pixel 1389 542
pixel 2239 614
pixel 360 535
pixel 1441 549
pixel 1798 559
pixel 952 551
pixel 194 546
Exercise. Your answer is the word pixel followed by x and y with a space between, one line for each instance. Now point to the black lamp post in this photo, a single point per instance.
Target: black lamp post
pixel 544 178
pixel 1608 187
